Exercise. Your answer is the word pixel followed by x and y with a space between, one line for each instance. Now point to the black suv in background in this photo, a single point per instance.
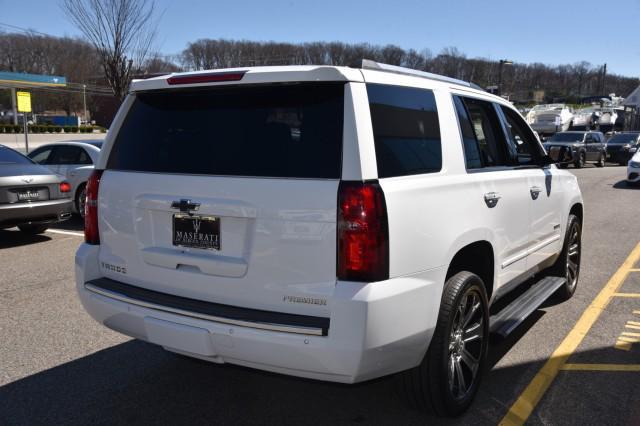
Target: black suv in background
pixel 622 146
pixel 585 147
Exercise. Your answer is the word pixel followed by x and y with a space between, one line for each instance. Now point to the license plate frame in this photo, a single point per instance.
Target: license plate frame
pixel 195 231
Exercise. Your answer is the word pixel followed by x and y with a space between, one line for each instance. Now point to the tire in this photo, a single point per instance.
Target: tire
pixel 449 375
pixel 32 229
pixel 601 161
pixel 579 163
pixel 81 194
pixel 568 263
pixel 563 165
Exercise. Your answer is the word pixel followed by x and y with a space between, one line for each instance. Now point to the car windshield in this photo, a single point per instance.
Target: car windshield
pixel 567 137
pixel 9 156
pixel 624 138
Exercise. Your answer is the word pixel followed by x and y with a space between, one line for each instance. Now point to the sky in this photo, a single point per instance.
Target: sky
pixel 551 32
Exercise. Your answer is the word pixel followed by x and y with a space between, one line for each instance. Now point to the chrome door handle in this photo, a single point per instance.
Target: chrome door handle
pixel 492 198
pixel 535 191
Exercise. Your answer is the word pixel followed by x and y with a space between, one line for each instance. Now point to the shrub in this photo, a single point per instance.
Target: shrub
pixel 74 129
pixel 67 129
pixel 57 129
pixel 17 128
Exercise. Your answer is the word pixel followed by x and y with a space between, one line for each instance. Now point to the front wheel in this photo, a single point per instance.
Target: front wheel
pixel 447 380
pixel 601 160
pixel 580 161
pixel 568 263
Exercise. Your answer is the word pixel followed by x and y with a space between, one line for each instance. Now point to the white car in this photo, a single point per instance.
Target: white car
pixel 333 223
pixel 633 169
pixel 72 160
pixel 550 118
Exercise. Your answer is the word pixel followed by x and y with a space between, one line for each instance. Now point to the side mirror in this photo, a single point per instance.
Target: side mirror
pixel 558 155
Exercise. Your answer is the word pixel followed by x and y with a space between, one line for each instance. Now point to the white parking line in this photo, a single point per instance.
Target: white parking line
pixel 58 231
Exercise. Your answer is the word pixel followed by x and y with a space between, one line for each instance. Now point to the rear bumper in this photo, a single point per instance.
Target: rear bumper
pixel 375 329
pixel 50 211
pixel 546 127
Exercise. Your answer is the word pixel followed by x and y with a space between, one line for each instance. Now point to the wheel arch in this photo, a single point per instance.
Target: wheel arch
pixel 477 257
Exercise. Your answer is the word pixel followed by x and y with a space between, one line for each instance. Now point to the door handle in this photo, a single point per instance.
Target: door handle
pixel 535 191
pixel 492 198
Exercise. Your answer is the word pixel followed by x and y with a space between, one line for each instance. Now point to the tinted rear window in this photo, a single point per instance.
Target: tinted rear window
pixel 9 156
pixel 290 131
pixel 405 129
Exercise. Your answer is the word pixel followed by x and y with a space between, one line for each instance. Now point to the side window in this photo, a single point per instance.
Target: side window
pixel 590 138
pixel 523 140
pixel 488 133
pixel 84 157
pixel 41 156
pixel 469 141
pixel 65 154
pixel 406 130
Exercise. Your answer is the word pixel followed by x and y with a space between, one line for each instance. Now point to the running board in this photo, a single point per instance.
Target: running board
pixel 512 315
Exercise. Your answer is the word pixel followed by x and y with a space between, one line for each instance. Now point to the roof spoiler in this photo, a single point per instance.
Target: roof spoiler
pixel 373 65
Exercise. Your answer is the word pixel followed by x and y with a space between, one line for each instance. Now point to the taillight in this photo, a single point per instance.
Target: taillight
pixel 91 233
pixel 206 78
pixel 65 187
pixel 363 232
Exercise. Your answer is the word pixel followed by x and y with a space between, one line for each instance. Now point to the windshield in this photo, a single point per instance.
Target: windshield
pixel 567 137
pixel 9 156
pixel 624 138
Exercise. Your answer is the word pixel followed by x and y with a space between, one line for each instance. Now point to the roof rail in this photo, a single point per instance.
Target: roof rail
pixel 373 65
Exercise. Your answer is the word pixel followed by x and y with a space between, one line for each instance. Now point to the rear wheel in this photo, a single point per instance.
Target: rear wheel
pixel 81 198
pixel 600 162
pixel 447 380
pixel 568 264
pixel 580 161
pixel 32 229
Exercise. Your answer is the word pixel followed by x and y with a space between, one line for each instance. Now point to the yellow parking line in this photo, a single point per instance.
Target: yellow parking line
pixel 633 327
pixel 629 339
pixel 601 367
pixel 623 346
pixel 636 312
pixel 531 396
pixel 634 270
pixel 633 322
pixel 629 333
pixel 633 295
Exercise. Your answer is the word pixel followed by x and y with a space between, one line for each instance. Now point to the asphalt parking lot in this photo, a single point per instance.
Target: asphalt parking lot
pixel 58 366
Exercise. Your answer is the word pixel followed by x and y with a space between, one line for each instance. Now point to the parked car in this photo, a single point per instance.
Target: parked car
pixel 73 160
pixel 622 146
pixel 607 119
pixel 633 169
pixel 343 234
pixel 31 197
pixel 585 147
pixel 551 118
pixel 585 119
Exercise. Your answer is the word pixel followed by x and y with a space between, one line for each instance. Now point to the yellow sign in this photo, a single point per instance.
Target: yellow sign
pixel 24 101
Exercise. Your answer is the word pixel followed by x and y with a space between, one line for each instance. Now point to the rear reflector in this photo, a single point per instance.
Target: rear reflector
pixel 65 187
pixel 363 232
pixel 206 78
pixel 91 232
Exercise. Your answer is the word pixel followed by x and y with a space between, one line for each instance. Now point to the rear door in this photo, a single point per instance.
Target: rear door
pixel 227 195
pixel 68 157
pixel 502 188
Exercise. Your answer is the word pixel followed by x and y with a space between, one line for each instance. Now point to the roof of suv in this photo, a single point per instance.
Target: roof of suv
pixel 298 73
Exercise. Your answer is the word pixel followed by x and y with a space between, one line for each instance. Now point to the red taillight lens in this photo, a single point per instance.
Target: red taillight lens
pixel 363 232
pixel 65 187
pixel 206 78
pixel 91 233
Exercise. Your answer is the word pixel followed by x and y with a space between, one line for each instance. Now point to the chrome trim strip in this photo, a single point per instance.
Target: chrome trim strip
pixel 531 250
pixel 262 326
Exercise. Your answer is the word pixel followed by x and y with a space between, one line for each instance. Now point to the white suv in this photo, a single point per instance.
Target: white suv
pixel 334 223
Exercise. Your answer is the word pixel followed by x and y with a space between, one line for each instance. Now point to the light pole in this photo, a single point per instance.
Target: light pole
pixel 502 62
pixel 84 101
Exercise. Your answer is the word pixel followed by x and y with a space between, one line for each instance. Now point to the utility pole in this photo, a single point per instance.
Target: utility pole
pixel 502 62
pixel 84 101
pixel 604 76
pixel 13 106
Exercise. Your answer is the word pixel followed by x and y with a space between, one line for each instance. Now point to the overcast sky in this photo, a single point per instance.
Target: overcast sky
pixel 551 32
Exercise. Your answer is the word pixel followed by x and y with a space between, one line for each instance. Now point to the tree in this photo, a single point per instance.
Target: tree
pixel 121 31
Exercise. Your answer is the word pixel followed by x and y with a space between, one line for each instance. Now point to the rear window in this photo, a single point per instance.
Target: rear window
pixel 405 129
pixel 288 131
pixel 9 156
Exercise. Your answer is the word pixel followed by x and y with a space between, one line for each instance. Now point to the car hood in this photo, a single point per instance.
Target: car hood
pixel 23 170
pixel 636 157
